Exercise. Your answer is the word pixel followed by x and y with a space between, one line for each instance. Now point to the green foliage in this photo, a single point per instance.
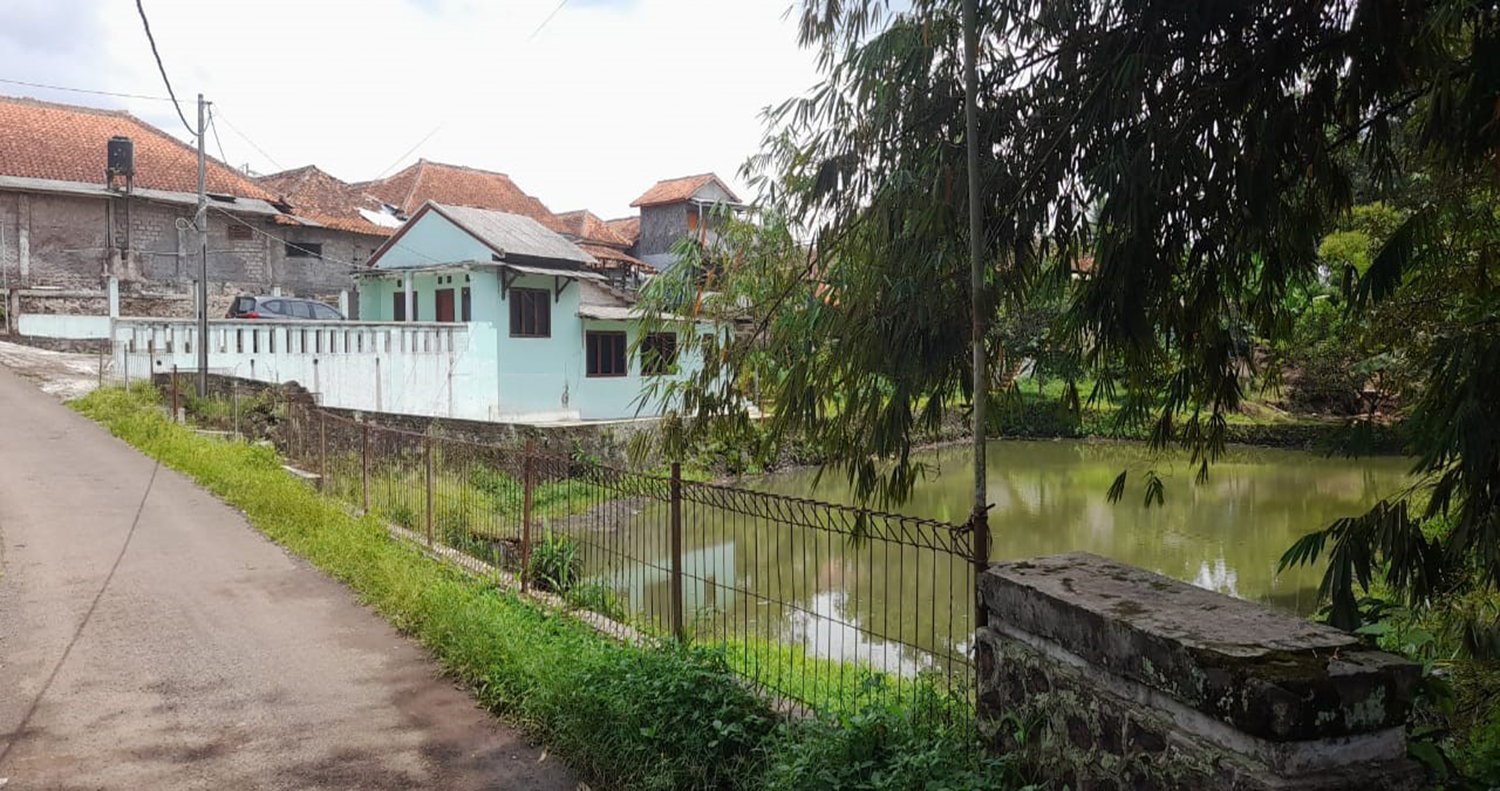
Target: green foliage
pixel 883 748
pixel 623 716
pixel 555 563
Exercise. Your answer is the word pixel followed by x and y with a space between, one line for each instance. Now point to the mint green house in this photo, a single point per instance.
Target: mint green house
pixel 547 338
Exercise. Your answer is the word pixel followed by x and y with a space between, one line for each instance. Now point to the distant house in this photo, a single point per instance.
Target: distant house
pixel 608 247
pixel 67 227
pixel 563 343
pixel 674 209
pixel 403 193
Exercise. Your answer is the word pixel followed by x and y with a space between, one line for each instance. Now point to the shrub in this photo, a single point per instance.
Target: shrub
pixel 555 563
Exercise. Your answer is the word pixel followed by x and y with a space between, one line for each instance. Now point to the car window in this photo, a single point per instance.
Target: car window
pixel 244 305
pixel 300 309
pixel 322 312
pixel 277 306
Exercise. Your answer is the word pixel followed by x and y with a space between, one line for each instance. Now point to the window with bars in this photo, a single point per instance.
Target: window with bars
pixel 530 313
pixel 606 353
pixel 659 354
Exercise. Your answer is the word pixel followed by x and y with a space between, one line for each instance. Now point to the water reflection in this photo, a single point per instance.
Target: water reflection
pixel 872 601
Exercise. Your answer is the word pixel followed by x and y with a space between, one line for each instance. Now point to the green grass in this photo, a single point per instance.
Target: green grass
pixel 622 716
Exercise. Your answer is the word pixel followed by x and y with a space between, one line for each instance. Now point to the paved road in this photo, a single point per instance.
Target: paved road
pixel 150 638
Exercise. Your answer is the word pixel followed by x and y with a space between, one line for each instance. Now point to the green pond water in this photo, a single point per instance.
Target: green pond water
pixel 907 607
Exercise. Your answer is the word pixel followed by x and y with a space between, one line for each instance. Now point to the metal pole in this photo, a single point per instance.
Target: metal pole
pixel 200 221
pixel 234 400
pixel 528 475
pixel 174 394
pixel 323 452
pixel 675 587
pixel 364 466
pixel 979 518
pixel 427 447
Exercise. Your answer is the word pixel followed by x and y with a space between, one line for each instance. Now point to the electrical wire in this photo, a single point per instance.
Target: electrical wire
pixel 295 246
pixel 409 151
pixel 547 20
pixel 85 90
pixel 220 113
pixel 215 129
pixel 145 23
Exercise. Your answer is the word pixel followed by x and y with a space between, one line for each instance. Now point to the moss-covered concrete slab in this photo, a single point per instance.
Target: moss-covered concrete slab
pixel 1266 673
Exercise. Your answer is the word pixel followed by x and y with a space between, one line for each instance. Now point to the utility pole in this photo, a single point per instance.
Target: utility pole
pixel 979 519
pixel 200 221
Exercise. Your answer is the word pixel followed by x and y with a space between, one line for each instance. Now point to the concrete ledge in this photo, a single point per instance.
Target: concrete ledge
pixel 1272 675
pixel 1131 679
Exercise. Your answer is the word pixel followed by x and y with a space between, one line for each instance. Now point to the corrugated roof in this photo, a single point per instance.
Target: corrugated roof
pixel 61 142
pixel 680 189
pixel 456 185
pixel 514 234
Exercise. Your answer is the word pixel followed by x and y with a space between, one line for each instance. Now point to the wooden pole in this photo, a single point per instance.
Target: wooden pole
pixel 174 394
pixel 679 629
pixel 528 482
pixel 322 451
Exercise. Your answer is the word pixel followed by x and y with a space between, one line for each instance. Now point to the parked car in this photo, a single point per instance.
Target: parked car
pixel 282 309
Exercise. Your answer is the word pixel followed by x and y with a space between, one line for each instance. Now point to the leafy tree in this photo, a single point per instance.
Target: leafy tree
pixel 1196 154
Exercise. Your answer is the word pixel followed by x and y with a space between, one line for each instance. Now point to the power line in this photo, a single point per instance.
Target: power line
pixel 85 90
pixel 163 69
pixel 215 129
pixel 548 19
pixel 247 139
pixel 408 152
pixel 319 254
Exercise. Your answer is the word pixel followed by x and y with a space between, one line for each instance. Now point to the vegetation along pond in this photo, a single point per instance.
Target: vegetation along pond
pixel 876 602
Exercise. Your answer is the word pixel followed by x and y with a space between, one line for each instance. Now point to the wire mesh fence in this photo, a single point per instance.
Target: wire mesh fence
pixel 828 608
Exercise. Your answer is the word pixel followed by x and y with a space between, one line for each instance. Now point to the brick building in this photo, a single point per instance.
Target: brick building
pixel 65 229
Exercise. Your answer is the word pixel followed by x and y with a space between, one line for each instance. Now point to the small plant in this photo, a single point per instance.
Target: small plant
pixel 555 563
pixel 601 599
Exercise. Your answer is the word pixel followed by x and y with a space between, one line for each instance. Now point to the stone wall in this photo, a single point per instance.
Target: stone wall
pixel 1121 678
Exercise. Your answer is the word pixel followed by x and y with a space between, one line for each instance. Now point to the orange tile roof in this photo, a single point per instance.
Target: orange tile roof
pixel 323 199
pixel 627 228
pixel 607 255
pixel 679 189
pixel 587 226
pixel 62 142
pixel 456 185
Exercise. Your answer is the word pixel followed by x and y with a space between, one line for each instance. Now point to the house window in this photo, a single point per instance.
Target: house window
pixel 659 354
pixel 530 313
pixel 304 250
pixel 606 353
pixel 239 233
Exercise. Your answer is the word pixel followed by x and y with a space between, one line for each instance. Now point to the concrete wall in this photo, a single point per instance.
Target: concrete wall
pixel 1127 679
pixel 75 242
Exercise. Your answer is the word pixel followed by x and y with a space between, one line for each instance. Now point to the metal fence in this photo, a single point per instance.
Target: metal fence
pixel 827 607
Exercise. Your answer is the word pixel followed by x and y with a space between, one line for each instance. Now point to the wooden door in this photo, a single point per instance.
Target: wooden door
pixel 445 304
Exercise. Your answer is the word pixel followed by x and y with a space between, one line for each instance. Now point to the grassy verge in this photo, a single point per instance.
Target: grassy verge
pixel 622 716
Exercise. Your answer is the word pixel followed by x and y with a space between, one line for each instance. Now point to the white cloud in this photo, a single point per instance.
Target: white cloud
pixel 605 99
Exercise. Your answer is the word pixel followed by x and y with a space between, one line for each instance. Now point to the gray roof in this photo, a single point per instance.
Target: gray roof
pixel 515 235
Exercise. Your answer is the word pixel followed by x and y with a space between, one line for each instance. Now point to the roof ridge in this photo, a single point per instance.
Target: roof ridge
pixel 72 107
pixel 469 168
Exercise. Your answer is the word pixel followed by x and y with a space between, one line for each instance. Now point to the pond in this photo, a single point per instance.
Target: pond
pixel 1226 535
pixel 788 573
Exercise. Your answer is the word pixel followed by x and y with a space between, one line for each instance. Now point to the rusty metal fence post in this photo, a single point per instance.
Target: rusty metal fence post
pixel 427 450
pixel 364 466
pixel 679 629
pixel 528 482
pixel 322 451
pixel 174 394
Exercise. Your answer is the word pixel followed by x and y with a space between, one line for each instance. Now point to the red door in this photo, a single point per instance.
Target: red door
pixel 445 304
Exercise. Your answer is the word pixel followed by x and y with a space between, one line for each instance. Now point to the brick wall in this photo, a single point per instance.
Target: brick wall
pixel 76 242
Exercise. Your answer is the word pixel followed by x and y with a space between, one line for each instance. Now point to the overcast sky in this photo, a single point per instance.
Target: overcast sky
pixel 606 98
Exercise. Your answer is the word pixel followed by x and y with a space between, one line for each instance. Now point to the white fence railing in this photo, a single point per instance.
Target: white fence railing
pixel 407 367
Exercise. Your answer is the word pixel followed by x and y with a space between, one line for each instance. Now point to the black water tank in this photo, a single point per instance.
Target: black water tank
pixel 121 156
